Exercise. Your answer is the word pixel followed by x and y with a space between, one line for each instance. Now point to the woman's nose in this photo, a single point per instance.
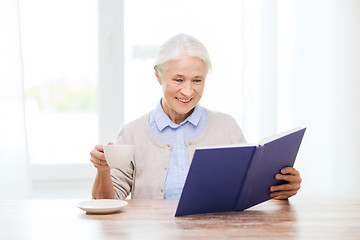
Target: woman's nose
pixel 187 89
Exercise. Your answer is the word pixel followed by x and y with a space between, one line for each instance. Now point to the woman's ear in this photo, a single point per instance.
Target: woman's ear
pixel 157 74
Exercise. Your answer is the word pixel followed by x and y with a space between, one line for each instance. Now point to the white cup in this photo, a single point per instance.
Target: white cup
pixel 119 156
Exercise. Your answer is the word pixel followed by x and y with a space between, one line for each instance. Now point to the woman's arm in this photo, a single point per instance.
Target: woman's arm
pixel 103 187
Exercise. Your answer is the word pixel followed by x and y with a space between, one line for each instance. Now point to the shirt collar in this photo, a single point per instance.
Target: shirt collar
pixel 162 120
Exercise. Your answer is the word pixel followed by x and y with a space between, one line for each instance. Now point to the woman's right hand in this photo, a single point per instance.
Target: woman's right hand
pixel 103 187
pixel 98 158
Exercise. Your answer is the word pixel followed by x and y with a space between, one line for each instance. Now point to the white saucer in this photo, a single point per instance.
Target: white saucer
pixel 102 205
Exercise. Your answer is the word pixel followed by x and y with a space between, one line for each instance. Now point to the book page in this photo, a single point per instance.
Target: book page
pixel 228 146
pixel 280 135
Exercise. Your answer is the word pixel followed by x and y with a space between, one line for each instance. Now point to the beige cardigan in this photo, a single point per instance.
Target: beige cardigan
pixel 145 176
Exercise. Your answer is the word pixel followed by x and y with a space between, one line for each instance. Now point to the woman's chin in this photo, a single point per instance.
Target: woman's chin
pixel 183 110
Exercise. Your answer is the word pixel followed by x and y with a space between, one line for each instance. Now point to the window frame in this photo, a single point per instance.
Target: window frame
pixel 110 94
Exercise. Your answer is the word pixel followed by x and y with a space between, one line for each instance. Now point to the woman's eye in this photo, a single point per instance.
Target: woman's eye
pixel 178 80
pixel 197 81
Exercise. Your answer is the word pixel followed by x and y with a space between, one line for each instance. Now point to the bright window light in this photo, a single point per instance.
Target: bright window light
pixel 59 44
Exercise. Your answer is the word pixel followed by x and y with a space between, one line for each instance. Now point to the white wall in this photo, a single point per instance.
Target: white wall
pixel 326 96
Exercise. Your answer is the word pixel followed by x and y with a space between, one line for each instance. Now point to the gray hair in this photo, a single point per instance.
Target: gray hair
pixel 174 47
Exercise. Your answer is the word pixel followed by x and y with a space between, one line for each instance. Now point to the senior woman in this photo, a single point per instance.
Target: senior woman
pixel 165 139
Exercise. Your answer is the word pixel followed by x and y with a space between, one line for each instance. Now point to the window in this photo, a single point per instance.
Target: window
pixel 59 43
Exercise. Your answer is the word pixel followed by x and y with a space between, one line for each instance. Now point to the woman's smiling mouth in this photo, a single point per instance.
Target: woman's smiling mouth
pixel 184 100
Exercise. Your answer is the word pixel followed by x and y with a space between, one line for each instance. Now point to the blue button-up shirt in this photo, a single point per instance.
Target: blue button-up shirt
pixel 169 132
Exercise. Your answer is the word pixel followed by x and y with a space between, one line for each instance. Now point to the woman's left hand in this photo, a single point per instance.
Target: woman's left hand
pixel 286 190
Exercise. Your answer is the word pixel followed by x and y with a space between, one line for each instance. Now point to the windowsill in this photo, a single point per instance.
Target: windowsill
pixel 60 172
pixel 74 189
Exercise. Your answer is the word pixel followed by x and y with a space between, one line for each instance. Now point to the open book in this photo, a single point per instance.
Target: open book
pixel 237 177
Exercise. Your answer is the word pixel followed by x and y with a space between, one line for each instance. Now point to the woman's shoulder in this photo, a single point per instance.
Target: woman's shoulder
pixel 140 122
pixel 224 128
pixel 133 130
pixel 219 117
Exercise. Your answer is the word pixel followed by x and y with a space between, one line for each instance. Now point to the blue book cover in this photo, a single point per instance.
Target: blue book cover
pixel 236 177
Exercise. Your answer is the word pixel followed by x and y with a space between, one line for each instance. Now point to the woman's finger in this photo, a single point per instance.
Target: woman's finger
pixel 289 178
pixel 283 194
pixel 290 170
pixel 97 154
pixel 285 187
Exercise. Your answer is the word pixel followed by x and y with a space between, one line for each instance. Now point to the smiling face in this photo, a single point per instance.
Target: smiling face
pixel 183 82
